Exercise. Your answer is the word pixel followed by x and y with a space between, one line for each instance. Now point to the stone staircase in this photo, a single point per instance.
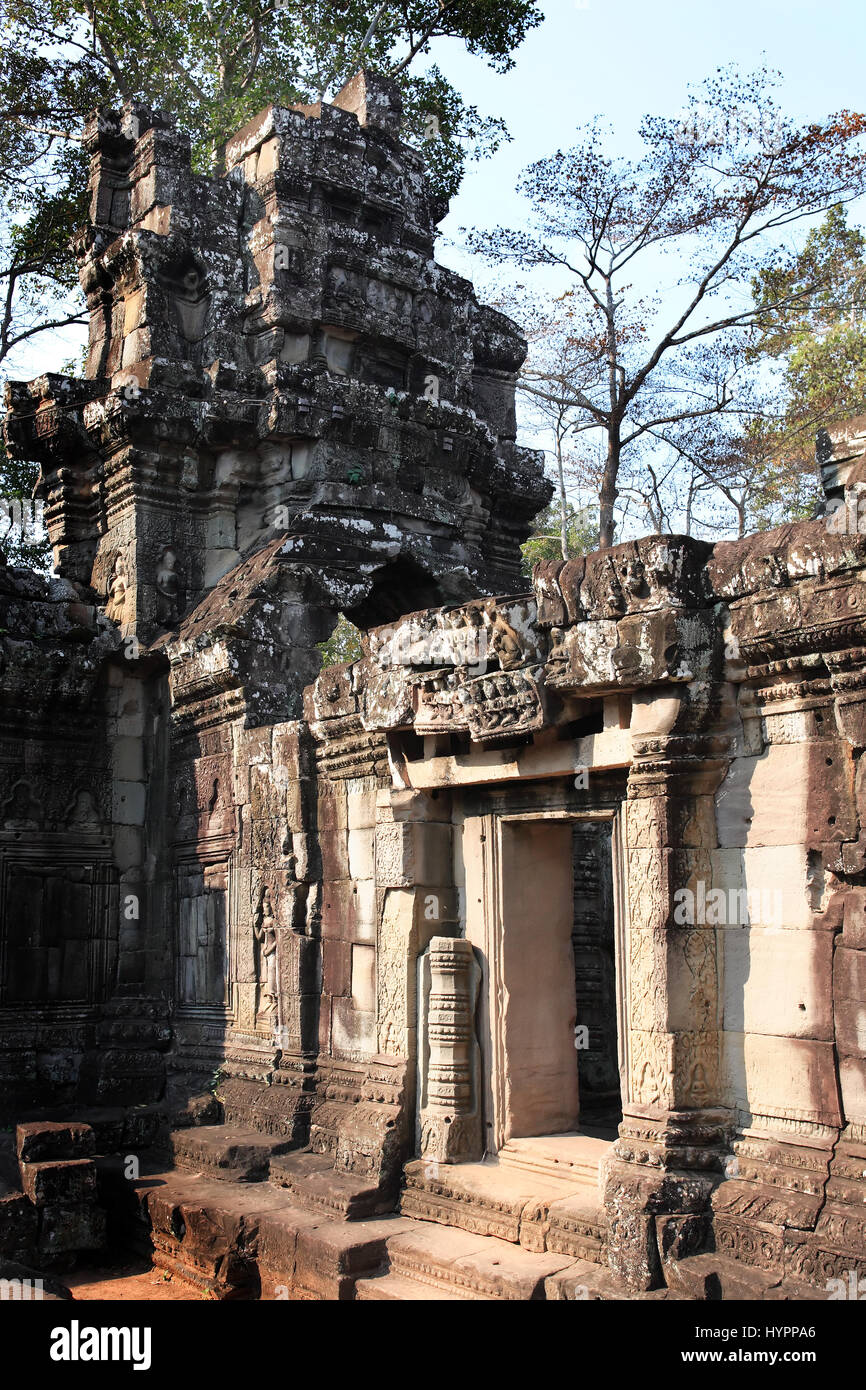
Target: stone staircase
pixel 232 1153
pixel 247 1240
pixel 246 1216
pixel 565 1157
pixel 528 1226
pixel 226 1152
pixel 541 1194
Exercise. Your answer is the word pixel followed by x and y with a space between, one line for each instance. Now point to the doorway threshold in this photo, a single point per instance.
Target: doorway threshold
pixel 517 1197
pixel 576 1156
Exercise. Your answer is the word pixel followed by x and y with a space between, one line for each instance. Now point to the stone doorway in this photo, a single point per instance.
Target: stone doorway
pixel 544 914
pixel 544 923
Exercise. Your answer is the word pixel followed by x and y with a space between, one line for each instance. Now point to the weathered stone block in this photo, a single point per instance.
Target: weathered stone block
pixel 793 1078
pixel 41 1141
pixel 778 982
pixel 66 1228
pixel 18 1224
pixel 849 990
pixel 62 1181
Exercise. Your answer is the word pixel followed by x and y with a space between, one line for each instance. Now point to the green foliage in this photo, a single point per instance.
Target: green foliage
pixel 546 544
pixel 20 545
pixel 344 644
pixel 820 340
pixel 816 342
pixel 213 64
pixel 449 132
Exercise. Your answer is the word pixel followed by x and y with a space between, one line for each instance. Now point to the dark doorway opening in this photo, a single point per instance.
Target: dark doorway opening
pixel 594 947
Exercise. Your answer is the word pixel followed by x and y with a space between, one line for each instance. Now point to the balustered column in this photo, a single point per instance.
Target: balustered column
pixel 449 1110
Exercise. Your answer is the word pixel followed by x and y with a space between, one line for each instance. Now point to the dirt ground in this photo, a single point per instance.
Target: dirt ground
pixel 133 1282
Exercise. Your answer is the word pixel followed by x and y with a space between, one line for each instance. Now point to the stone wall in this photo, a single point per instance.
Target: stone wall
pixel 725 683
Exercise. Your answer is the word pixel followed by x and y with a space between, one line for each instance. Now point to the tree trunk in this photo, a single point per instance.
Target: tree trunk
pixel 563 504
pixel 608 493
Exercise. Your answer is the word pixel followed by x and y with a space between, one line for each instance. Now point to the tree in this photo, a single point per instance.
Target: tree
pixel 810 357
pixel 555 361
pixel 43 184
pixel 344 644
pixel 742 469
pixel 710 194
pixel 817 338
pixel 546 542
pixel 22 535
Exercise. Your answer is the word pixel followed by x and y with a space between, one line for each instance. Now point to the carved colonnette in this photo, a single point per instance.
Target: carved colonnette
pixel 449 1100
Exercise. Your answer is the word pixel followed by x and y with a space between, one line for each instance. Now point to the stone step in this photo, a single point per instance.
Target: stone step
pixel 470 1266
pixel 720 1278
pixel 204 1229
pixel 41 1141
pixel 314 1185
pixel 302 1256
pixel 573 1226
pixel 229 1153
pixel 541 1213
pixel 585 1282
pixel 245 1241
pixel 70 1181
pixel 394 1288
pixel 572 1157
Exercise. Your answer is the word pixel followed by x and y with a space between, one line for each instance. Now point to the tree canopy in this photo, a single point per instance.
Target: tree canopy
pixel 705 203
pixel 556 537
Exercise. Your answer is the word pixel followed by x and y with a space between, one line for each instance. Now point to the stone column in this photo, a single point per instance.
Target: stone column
pixel 449 1110
pixel 673 1140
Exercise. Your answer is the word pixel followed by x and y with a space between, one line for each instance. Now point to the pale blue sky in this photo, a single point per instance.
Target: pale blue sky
pixel 623 58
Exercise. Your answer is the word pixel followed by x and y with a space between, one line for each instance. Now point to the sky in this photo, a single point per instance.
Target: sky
pixel 621 59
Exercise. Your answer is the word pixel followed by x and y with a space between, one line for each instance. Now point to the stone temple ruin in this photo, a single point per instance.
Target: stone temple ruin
pixel 524 957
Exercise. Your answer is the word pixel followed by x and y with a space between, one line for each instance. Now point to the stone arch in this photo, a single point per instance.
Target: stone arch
pixel 405 585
